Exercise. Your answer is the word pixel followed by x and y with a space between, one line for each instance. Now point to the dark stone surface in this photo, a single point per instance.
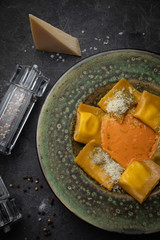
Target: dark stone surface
pixel 100 25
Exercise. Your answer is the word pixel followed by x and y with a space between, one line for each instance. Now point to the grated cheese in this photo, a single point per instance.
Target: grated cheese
pixel 120 103
pixel 113 169
pixel 130 90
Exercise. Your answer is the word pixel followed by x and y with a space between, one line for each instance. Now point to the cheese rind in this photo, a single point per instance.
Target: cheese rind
pixel 51 39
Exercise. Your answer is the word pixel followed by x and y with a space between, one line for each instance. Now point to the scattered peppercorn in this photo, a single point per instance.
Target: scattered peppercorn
pixel 26 177
pixel 18 186
pixel 37 181
pixel 29 215
pixel 24 190
pixel 51 201
pixel 45 229
pixel 30 179
pixel 49 221
pixel 41 186
pixel 47 232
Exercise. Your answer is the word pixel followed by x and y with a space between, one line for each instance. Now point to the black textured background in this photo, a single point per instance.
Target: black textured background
pixel 100 25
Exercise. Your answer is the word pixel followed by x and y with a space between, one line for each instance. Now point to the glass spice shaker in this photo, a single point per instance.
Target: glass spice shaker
pixel 26 84
pixel 9 213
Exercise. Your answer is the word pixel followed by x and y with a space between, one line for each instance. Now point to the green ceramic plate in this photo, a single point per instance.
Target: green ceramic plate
pixel 87 82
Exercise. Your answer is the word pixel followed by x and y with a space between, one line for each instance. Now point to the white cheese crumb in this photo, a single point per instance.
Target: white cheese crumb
pixel 106 42
pixel 120 33
pixel 130 90
pixel 52 56
pixel 120 103
pixel 113 169
pixel 82 31
pixel 116 187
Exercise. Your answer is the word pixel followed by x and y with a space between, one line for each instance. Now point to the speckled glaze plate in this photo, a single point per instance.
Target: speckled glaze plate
pixel 87 82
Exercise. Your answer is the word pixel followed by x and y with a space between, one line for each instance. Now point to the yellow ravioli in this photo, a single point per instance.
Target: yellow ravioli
pixel 88 124
pixel 93 170
pixel 120 99
pixel 148 110
pixel 140 178
pixel 156 155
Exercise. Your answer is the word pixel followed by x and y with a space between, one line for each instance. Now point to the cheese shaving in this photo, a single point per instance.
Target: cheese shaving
pixel 113 169
pixel 120 103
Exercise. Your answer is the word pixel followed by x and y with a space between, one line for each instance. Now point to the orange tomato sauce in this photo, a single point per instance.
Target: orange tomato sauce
pixel 128 141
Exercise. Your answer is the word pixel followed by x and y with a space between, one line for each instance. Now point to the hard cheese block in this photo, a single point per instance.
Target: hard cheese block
pixel 51 39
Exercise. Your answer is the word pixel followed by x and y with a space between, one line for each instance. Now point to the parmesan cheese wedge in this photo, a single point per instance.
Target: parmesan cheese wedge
pixel 51 39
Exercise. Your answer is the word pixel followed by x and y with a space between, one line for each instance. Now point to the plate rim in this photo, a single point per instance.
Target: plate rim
pixel 82 61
